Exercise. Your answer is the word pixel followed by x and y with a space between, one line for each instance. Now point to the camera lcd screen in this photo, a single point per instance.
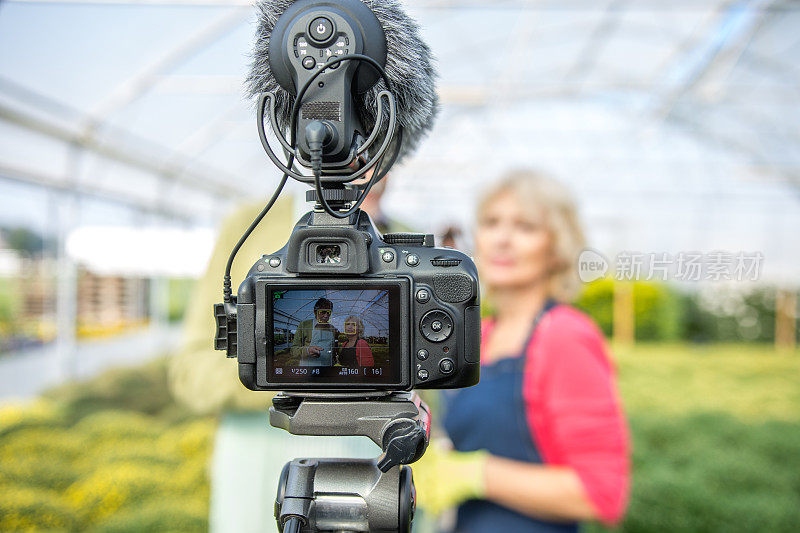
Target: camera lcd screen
pixel 334 335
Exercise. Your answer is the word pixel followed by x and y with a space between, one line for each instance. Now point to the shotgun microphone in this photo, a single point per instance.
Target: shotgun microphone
pixel 328 70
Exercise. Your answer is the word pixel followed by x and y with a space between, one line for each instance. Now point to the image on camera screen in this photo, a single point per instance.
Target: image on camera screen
pixel 333 335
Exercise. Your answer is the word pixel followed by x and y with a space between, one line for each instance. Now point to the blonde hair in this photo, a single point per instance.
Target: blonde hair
pixel 359 325
pixel 560 217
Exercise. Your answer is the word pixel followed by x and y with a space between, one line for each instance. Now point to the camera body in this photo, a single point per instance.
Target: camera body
pixel 342 308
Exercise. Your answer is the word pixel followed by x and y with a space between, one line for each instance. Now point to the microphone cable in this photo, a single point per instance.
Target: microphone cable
pixel 390 132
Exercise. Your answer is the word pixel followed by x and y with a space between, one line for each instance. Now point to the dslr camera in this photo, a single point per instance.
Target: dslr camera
pixel 343 308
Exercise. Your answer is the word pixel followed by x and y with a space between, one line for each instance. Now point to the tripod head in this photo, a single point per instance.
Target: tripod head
pixel 354 494
pixel 398 422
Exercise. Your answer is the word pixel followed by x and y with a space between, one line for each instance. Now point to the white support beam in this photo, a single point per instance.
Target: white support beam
pixel 735 28
pixel 142 81
pixel 61 185
pixel 217 184
pixel 577 74
pixel 183 84
pixel 67 208
pixel 705 135
pixel 212 132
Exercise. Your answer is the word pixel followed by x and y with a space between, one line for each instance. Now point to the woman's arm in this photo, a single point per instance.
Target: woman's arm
pixel 364 353
pixel 574 411
pixel 542 491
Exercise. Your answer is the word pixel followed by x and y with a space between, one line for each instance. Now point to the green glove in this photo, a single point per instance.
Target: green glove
pixel 444 478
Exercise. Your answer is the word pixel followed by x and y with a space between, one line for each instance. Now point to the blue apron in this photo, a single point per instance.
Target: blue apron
pixel 491 416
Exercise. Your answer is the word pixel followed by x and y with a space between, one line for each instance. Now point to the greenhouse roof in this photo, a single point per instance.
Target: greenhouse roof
pixel 677 124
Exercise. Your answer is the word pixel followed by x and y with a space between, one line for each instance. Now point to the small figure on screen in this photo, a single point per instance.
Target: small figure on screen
pixel 355 351
pixel 315 339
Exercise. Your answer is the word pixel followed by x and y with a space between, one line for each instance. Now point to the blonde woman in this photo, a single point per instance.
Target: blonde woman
pixel 355 351
pixel 541 442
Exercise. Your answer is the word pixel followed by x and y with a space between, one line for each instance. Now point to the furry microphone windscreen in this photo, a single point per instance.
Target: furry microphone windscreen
pixel 409 67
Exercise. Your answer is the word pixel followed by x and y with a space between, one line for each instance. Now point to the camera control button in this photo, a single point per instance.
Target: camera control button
pixel 309 62
pixel 423 296
pixel 412 260
pixel 320 29
pixel 446 366
pixel 436 325
pixel 422 374
pixel 274 262
pixel 387 256
pixel 422 354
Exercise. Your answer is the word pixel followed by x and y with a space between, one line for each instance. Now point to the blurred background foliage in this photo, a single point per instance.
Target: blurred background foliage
pixel 113 454
pixel 708 313
pixel 716 432
pixel 9 309
pixel 179 295
pixel 17 330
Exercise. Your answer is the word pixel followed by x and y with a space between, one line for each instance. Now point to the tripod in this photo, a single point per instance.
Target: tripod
pixel 351 494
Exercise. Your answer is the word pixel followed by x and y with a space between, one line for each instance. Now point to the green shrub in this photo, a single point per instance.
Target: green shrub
pixel 658 312
pixel 180 292
pixel 117 425
pixel 657 308
pixel 179 514
pixel 39 471
pixel 725 313
pixel 109 464
pixel 714 313
pixel 42 442
pixel 113 454
pixel 10 307
pixel 709 472
pixel 33 509
pixel 143 389
pixel 597 300
pixel 38 414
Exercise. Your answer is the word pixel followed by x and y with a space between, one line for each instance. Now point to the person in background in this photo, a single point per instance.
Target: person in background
pixel 200 377
pixel 248 453
pixel 541 443
pixel 450 236
pixel 372 205
pixel 355 351
pixel 315 340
